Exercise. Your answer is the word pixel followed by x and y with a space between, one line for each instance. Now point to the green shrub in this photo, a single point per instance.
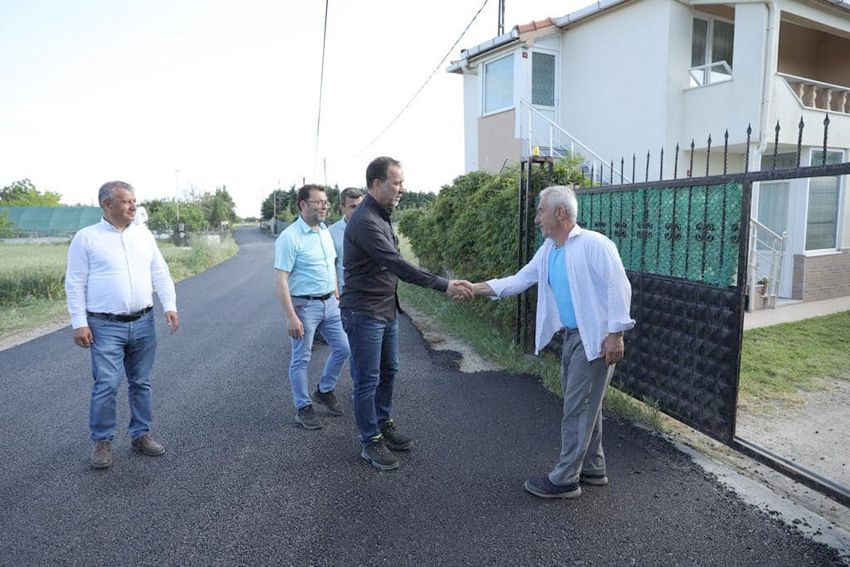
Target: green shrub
pixel 470 230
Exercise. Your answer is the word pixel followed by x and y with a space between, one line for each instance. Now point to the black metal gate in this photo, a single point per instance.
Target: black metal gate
pixel 684 244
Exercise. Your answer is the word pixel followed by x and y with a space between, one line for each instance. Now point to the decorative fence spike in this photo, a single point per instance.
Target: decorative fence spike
pixel 707 155
pixel 747 152
pixel 825 136
pixel 725 150
pixel 776 144
pixel 676 163
pixel 800 141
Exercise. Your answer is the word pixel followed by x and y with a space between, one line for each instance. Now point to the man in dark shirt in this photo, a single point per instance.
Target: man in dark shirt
pixel 373 267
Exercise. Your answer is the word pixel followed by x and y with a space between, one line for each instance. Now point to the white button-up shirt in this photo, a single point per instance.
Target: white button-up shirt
pixel 110 271
pixel 599 288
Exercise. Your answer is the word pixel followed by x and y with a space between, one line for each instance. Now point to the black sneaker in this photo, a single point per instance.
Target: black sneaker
pixel 307 417
pixel 376 453
pixel 594 479
pixel 544 488
pixel 328 400
pixel 393 439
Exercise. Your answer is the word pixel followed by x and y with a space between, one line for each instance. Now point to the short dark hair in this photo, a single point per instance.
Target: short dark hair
pixel 349 193
pixel 379 169
pixel 304 193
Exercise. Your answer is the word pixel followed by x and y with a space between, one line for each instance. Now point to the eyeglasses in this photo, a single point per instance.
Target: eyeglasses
pixel 320 204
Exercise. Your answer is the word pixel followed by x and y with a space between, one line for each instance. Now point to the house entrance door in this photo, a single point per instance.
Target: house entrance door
pixel 773 212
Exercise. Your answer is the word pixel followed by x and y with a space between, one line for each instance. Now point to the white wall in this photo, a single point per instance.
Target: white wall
pixel 626 47
pixel 734 104
pixel 470 121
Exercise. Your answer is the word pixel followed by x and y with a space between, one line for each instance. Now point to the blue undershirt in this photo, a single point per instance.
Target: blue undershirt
pixel 560 285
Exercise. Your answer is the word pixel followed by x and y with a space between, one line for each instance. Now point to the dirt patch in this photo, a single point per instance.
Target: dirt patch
pixel 438 339
pixel 22 337
pixel 813 435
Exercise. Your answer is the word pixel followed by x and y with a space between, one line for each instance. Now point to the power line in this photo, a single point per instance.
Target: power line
pixel 437 68
pixel 321 84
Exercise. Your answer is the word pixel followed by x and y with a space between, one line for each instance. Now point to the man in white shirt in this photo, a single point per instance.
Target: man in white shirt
pixel 583 289
pixel 348 201
pixel 112 269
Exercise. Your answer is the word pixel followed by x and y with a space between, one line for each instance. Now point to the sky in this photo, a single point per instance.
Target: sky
pixel 180 95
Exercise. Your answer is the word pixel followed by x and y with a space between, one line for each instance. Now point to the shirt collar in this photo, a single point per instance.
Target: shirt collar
pixel 109 226
pixel 306 227
pixel 376 206
pixel 575 231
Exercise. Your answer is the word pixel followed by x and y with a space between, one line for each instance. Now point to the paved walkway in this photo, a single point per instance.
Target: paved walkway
pixel 795 312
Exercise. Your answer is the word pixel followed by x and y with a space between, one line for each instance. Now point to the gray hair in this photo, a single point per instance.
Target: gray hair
pixel 561 196
pixel 349 193
pixel 107 190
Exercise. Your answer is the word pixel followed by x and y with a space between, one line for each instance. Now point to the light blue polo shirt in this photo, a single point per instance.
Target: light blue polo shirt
pixel 308 255
pixel 560 284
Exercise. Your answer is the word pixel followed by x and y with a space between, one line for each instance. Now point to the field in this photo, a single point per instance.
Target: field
pixel 32 278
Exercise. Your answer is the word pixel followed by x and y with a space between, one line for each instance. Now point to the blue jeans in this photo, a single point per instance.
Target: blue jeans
pixel 324 316
pixel 374 364
pixel 119 349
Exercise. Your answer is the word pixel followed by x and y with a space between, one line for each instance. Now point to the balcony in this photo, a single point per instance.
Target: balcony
pixel 817 95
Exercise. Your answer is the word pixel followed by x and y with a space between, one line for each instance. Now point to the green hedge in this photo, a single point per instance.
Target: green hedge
pixel 470 230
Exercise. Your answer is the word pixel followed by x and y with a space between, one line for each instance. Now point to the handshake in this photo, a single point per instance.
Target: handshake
pixel 462 290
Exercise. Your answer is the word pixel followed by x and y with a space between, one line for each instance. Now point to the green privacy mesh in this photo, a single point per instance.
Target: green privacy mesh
pixel 684 232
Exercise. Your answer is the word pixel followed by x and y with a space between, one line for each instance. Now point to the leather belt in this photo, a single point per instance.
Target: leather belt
pixel 316 297
pixel 121 318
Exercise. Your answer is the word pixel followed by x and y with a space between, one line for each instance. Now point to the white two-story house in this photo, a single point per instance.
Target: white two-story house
pixel 625 76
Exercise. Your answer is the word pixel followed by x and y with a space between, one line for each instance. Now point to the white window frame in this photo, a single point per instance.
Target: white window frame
pixel 557 85
pixel 842 195
pixel 709 51
pixel 482 102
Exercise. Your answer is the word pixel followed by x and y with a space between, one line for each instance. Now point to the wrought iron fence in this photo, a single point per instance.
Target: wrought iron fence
pixel 684 243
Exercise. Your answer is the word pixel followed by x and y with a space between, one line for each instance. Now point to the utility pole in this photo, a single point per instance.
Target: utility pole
pixel 501 17
pixel 177 196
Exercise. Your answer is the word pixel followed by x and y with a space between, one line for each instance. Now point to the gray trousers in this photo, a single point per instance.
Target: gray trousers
pixel 584 386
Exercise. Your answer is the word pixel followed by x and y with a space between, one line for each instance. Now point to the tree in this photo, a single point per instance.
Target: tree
pixel 218 207
pixel 24 194
pixel 6 227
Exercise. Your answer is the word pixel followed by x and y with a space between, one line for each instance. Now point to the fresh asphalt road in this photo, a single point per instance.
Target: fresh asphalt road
pixel 242 484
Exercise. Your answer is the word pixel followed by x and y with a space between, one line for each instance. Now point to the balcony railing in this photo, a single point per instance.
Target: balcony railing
pixel 712 73
pixel 817 95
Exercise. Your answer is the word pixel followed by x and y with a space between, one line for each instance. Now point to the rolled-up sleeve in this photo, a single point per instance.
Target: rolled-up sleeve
pixel 520 281
pixel 609 268
pixel 76 281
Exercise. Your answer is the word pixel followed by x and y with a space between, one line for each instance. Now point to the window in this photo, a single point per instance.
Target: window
pixel 824 194
pixel 499 84
pixel 542 79
pixel 711 51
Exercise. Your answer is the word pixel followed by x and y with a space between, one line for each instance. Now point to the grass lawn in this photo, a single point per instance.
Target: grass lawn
pixel 32 277
pixel 780 361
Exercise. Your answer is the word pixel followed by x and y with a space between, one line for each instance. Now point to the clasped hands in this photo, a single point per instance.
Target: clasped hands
pixel 463 290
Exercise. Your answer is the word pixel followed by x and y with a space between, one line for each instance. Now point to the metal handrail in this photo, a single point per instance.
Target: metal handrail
pixel 703 82
pixel 553 126
pixel 773 257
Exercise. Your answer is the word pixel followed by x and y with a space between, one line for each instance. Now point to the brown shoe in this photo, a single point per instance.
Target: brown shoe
pixel 101 457
pixel 147 446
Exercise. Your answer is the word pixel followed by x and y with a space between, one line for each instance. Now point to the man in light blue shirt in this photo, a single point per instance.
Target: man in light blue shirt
pixel 306 285
pixel 582 288
pixel 348 201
